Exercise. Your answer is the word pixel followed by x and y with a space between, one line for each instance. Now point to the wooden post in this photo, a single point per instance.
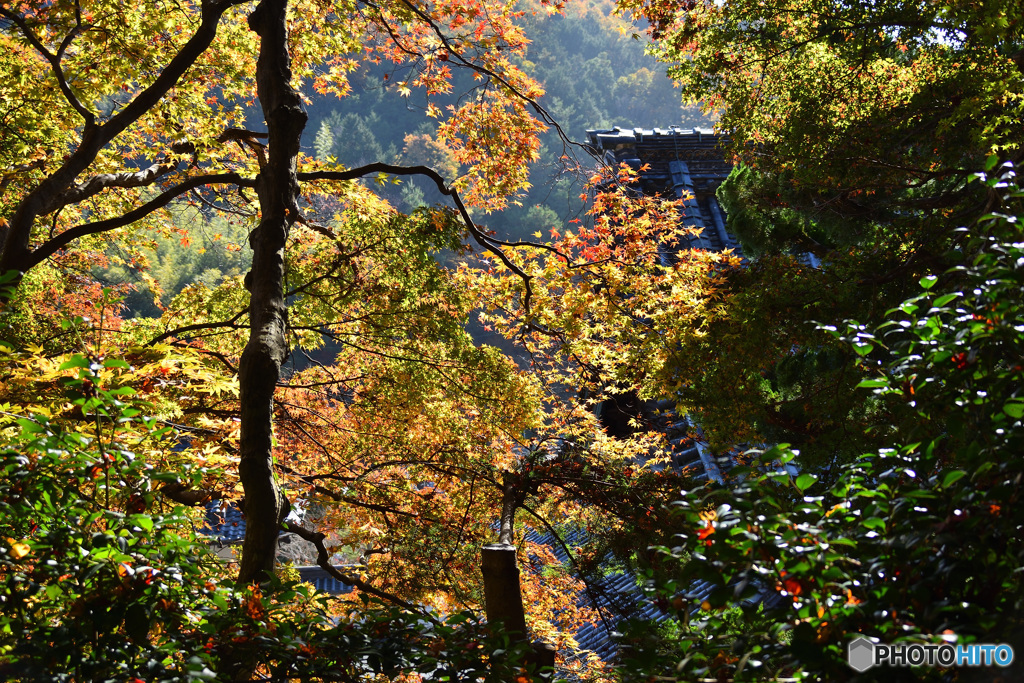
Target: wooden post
pixel 542 657
pixel 503 601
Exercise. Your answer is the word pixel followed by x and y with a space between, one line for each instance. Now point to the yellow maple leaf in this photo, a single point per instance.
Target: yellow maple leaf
pixel 18 549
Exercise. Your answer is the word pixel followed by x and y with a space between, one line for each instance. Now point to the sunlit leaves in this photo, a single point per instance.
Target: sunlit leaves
pixel 607 307
pixel 917 540
pixel 103 579
pixel 843 97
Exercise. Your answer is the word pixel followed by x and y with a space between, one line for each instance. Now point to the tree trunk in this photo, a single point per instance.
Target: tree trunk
pixel 260 365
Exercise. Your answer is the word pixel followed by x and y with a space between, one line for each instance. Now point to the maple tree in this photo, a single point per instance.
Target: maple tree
pixel 604 292
pixel 411 438
pixel 93 436
pixel 594 74
pixel 160 104
pixel 103 577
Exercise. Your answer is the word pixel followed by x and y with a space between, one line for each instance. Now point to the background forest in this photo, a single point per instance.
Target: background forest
pixel 343 268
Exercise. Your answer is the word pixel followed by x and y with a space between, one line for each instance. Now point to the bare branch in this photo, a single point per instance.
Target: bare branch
pixel 249 139
pixel 241 134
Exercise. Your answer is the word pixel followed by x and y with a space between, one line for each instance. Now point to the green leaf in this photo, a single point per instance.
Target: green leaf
pixel 928 281
pixel 1014 409
pixel 144 522
pixel 804 481
pixel 29 426
pixel 945 299
pixel 76 361
pixel 953 477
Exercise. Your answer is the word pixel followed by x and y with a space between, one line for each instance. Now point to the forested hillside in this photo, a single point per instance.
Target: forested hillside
pixel 593 68
pixel 242 247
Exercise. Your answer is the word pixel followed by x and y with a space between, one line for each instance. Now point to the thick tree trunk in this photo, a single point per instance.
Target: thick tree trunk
pixel 260 365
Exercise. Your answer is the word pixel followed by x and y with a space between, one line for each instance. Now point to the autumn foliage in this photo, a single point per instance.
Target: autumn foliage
pixel 335 378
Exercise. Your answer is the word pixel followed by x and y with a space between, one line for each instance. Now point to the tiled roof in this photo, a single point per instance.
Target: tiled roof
pixel 322 580
pixel 618 596
pixel 224 522
pixel 687 164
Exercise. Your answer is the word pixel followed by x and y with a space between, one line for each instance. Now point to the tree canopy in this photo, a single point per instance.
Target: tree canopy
pixel 916 542
pixel 135 127
pixel 856 131
pixel 311 352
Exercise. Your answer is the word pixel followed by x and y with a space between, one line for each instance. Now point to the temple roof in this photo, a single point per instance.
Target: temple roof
pixel 676 163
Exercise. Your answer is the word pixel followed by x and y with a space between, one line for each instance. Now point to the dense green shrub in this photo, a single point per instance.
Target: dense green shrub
pixel 917 542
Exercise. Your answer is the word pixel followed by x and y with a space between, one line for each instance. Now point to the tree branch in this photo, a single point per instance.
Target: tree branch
pixel 186 495
pixel 196 326
pixel 46 197
pixel 323 560
pixel 142 178
pixel 54 59
pixel 51 246
pixel 545 116
pixel 490 244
